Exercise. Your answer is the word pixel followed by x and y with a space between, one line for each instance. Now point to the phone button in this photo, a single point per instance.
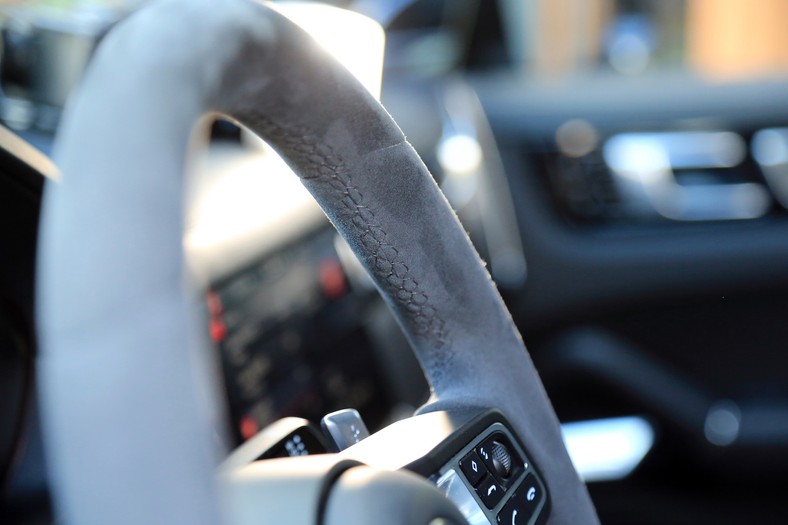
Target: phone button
pixel 523 503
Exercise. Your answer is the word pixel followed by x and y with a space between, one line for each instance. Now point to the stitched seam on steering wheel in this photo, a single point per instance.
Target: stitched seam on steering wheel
pixel 326 165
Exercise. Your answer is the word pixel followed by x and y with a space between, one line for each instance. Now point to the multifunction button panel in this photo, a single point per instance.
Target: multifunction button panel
pixel 492 480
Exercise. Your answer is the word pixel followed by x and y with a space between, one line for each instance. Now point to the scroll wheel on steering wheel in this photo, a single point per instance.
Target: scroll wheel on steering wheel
pixel 502 459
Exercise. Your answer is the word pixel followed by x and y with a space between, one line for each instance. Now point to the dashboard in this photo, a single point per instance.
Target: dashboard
pixel 294 337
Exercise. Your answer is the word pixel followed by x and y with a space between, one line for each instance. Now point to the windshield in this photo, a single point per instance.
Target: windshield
pixel 724 40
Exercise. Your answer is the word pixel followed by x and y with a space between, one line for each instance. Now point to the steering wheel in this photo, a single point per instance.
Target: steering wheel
pixel 127 394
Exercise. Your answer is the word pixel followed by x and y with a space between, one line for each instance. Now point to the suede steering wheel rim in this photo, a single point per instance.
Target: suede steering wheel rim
pixel 125 383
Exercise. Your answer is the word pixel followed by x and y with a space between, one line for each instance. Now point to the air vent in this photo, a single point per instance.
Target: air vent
pixel 673 176
pixel 770 149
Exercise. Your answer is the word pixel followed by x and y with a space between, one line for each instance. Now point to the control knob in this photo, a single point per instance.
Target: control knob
pixel 501 459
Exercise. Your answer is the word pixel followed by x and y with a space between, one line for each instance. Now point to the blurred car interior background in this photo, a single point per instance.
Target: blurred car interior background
pixel 621 166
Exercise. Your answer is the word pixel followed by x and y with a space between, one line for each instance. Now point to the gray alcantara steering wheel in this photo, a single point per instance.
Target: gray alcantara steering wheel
pixel 126 381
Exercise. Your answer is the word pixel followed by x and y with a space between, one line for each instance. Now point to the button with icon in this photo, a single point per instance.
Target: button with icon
pixel 523 503
pixel 530 493
pixel 473 468
pixel 490 492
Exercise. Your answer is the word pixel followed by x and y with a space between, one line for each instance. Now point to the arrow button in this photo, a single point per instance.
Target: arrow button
pixel 490 492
